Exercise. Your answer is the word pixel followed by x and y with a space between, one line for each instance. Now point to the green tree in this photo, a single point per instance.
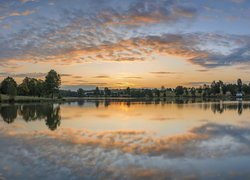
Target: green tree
pixel 239 85
pixel 52 83
pixel 128 91
pixel 107 92
pixel 192 90
pixel 215 87
pixel 80 92
pixel 40 88
pixel 199 90
pixel 23 88
pixel 97 91
pixel 157 92
pixel 9 87
pixel 179 90
pixel 246 88
pixel 148 93
pixel 186 91
pixel 206 91
pixel 31 87
pixel 163 91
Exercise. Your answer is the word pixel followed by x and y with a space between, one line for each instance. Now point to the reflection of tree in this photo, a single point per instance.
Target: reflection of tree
pixel 240 108
pixel 97 104
pixel 53 117
pixel 80 103
pixel 48 112
pixel 128 103
pixel 107 103
pixel 228 107
pixel 217 108
pixel 9 113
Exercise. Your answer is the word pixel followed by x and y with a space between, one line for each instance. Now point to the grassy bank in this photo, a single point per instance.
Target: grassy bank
pixel 6 99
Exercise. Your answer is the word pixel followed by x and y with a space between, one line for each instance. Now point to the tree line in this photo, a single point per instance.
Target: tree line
pixel 50 87
pixel 32 86
pixel 215 89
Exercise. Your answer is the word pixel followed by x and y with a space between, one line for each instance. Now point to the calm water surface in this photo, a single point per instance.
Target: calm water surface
pixel 125 140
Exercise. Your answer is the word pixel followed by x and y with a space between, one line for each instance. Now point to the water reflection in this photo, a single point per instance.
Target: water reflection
pixel 9 113
pixel 126 140
pixel 50 113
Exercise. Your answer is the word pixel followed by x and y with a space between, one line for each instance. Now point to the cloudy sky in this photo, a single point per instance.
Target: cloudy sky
pixel 136 43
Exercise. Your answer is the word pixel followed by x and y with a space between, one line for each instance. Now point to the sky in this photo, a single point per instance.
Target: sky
pixel 135 43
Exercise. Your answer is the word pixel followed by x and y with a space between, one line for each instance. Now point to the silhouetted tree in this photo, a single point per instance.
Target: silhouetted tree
pixel 157 92
pixel 9 87
pixel 52 83
pixel 128 92
pixel 163 91
pixel 97 91
pixel 246 88
pixel 23 88
pixel 239 85
pixel 179 90
pixel 107 92
pixel 147 93
pixel 192 90
pixel 80 92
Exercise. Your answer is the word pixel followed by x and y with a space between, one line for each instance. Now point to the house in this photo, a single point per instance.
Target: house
pixel 239 95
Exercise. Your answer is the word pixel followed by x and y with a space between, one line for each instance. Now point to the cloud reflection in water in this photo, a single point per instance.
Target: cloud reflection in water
pixel 127 153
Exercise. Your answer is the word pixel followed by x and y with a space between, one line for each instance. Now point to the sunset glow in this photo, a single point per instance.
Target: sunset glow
pixel 136 43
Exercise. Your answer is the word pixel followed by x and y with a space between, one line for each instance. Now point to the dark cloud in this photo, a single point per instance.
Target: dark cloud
pixel 102 77
pixel 22 75
pixel 202 70
pixel 133 77
pixel 198 83
pixel 110 31
pixel 162 72
pixel 146 12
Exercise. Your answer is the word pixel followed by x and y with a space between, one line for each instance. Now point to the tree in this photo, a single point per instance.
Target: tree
pixel 31 87
pixel 52 83
pixel 97 91
pixel 107 92
pixel 186 91
pixel 179 90
pixel 239 85
pixel 206 90
pixel 148 93
pixel 40 87
pixel 9 87
pixel 163 91
pixel 157 92
pixel 192 90
pixel 246 88
pixel 80 92
pixel 199 90
pixel 215 87
pixel 23 88
pixel 128 92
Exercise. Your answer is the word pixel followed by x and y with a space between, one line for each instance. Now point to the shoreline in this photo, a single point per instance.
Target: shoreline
pixel 30 99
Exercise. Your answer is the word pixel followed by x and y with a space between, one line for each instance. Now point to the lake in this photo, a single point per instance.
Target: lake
pixel 125 140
